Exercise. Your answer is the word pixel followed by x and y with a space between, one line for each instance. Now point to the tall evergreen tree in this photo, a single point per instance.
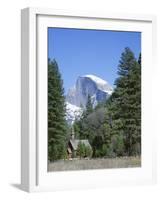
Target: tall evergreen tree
pixel 56 113
pixel 126 103
pixel 81 126
pixel 89 106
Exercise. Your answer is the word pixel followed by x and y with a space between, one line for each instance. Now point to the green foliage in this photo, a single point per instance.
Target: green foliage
pixel 88 152
pixel 104 150
pixel 126 102
pixel 81 127
pixel 118 144
pixel 57 127
pixel 81 150
pixel 89 106
pixel 114 127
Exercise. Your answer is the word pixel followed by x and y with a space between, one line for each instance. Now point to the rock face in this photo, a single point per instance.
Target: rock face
pixel 89 85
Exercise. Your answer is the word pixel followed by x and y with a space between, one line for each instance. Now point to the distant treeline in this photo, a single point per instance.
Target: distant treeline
pixel 113 128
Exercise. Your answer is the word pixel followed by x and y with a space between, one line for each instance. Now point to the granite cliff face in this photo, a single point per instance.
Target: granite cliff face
pixel 89 85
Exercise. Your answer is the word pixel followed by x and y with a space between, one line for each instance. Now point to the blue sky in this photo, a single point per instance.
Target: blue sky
pixel 79 52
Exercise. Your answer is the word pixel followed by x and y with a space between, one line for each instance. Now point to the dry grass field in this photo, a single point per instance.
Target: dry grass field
pixel 82 164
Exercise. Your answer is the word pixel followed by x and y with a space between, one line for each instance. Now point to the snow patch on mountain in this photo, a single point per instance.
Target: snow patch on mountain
pixel 96 79
pixel 72 112
pixel 101 84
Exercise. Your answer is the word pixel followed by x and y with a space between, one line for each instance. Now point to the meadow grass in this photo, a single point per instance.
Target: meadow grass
pixel 100 163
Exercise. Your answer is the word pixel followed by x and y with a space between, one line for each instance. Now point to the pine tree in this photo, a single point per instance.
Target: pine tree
pixel 81 126
pixel 126 103
pixel 89 106
pixel 56 114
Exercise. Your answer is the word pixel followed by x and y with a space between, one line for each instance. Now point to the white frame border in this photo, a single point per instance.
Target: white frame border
pixel 29 86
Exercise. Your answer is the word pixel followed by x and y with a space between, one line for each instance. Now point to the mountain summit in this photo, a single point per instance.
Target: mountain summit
pixel 88 85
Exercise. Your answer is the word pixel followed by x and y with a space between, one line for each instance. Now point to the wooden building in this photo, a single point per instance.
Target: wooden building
pixel 73 146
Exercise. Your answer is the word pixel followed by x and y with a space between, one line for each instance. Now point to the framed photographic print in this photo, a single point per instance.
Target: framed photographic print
pixel 86 100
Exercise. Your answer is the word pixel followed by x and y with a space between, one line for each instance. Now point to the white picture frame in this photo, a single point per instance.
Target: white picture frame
pixel 34 175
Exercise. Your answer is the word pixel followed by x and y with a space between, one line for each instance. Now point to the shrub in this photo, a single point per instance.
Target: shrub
pixel 81 150
pixel 88 151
